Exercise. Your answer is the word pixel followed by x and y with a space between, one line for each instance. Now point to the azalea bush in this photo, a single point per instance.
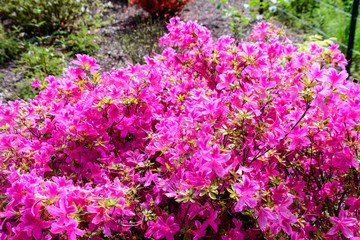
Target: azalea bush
pixel 161 8
pixel 213 139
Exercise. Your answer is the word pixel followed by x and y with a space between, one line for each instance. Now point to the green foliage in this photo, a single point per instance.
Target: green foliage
pixel 83 42
pixel 38 62
pixel 43 17
pixel 301 7
pixel 319 40
pixel 9 45
pixel 142 39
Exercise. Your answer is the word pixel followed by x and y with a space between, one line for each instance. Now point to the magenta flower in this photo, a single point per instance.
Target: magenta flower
pixel 161 228
pixel 70 227
pixel 343 223
pixel 212 219
pixel 35 84
pixel 62 211
pixel 200 230
pixel 87 62
pixel 264 215
pixel 149 178
pixel 336 78
pixel 354 202
pixel 245 191
pixel 32 224
pixel 298 137
pixel 215 161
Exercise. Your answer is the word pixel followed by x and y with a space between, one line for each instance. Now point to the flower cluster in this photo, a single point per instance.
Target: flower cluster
pixel 161 8
pixel 211 139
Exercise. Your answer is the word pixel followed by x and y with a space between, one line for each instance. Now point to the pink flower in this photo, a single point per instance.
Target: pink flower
pixel 70 227
pixel 342 223
pixel 32 223
pixel 245 191
pixel 35 84
pixel 62 211
pixel 87 62
pixel 215 160
pixel 336 78
pixel 162 228
pixel 200 230
pixel 264 215
pixel 298 137
pixel 354 202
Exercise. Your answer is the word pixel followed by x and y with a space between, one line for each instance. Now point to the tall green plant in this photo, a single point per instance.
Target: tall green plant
pixel 37 63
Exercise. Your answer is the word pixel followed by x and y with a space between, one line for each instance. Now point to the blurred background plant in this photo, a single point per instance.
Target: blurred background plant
pixel 142 38
pixel 82 41
pixel 161 9
pixel 43 17
pixel 9 45
pixel 240 18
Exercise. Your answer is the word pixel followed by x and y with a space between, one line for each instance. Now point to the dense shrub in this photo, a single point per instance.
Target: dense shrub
pixel 83 42
pixel 9 45
pixel 161 8
pixel 43 17
pixel 208 139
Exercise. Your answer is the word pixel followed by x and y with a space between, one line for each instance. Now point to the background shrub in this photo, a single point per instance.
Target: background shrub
pixel 161 8
pixel 37 63
pixel 43 17
pixel 82 42
pixel 9 45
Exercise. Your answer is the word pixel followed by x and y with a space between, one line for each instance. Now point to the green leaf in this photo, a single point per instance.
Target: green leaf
pixel 41 23
pixel 212 196
pixel 182 199
pixel 202 193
